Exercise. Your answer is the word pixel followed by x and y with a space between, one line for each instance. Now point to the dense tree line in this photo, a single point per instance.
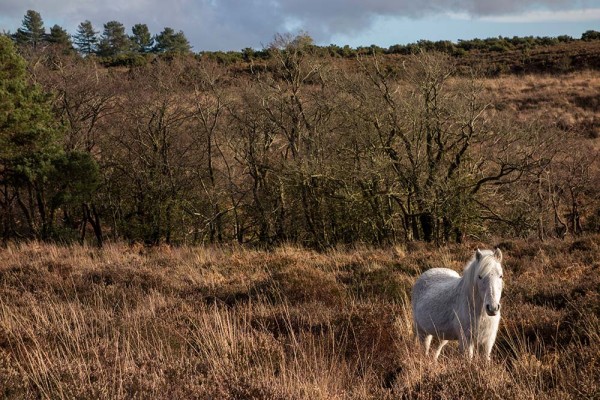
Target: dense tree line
pixel 113 44
pixel 116 47
pixel 300 149
pixel 459 49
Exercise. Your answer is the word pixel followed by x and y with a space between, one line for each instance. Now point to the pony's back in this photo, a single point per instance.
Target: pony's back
pixel 432 298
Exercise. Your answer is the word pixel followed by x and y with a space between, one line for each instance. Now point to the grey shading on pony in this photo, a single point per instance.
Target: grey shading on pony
pixel 450 307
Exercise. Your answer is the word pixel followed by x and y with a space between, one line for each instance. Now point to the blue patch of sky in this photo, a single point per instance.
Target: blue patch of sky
pixel 387 31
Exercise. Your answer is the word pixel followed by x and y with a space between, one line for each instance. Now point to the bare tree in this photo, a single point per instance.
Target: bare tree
pixel 152 155
pixel 210 102
pixel 442 142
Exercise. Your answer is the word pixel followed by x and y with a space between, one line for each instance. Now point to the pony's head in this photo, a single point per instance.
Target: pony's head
pixel 489 279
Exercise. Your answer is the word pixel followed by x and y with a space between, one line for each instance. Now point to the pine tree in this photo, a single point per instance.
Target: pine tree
pixel 114 40
pixel 26 121
pixel 86 38
pixel 32 160
pixel 32 31
pixel 29 134
pixel 59 36
pixel 169 42
pixel 142 39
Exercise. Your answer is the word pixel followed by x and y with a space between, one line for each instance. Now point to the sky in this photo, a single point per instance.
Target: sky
pixel 237 24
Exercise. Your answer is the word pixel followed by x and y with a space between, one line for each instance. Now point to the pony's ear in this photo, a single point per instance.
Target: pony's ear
pixel 478 255
pixel 498 254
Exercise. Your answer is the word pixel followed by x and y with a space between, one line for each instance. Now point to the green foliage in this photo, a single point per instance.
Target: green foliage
pixel 247 54
pixel 113 41
pixel 86 38
pixel 494 44
pixel 370 50
pixel 28 132
pixel 32 31
pixel 590 35
pixel 72 179
pixel 564 39
pixel 32 161
pixel 13 66
pixel 498 47
pixel 171 42
pixel 126 60
pixel 60 37
pixel 227 57
pixel 142 39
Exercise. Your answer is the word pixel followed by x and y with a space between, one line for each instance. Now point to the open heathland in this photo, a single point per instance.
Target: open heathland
pixel 232 322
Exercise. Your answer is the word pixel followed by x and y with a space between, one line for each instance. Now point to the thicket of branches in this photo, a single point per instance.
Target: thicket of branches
pixel 298 149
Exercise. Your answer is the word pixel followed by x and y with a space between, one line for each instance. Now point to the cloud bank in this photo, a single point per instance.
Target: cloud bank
pixel 234 24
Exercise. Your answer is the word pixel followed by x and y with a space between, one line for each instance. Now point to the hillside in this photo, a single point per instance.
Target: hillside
pixel 571 101
pixel 213 226
pixel 297 146
pixel 551 59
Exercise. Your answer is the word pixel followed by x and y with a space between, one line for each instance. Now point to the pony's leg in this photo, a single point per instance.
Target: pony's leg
pixel 487 347
pixel 439 349
pixel 470 351
pixel 427 342
pixel 466 347
pixel 489 343
pixel 424 338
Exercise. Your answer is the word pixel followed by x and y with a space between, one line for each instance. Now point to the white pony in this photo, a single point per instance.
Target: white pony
pixel 466 309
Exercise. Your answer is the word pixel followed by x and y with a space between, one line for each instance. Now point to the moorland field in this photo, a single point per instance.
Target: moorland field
pixel 235 323
pixel 243 226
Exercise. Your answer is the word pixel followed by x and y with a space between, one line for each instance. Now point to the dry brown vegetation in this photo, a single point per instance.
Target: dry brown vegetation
pixel 231 322
pixel 571 101
pixel 554 59
pixel 307 149
pixel 317 152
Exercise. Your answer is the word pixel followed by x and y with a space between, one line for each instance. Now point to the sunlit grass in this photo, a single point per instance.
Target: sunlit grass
pixel 222 322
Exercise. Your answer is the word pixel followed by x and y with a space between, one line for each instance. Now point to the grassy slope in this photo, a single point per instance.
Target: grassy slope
pixel 559 58
pixel 571 101
pixel 128 322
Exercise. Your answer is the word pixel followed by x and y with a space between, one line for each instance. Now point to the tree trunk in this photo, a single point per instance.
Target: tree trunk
pixel 427 225
pixel 91 216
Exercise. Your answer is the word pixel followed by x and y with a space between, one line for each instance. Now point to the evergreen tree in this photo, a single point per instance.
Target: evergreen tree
pixel 142 39
pixel 32 31
pixel 27 126
pixel 86 38
pixel 33 164
pixel 114 40
pixel 59 36
pixel 29 135
pixel 169 42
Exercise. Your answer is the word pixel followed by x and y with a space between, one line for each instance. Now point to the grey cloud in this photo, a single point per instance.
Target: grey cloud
pixel 346 16
pixel 234 24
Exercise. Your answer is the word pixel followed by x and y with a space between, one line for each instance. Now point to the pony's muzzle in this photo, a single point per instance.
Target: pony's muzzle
pixel 492 311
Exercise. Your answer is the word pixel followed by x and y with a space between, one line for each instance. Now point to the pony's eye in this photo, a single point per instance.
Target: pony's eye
pixel 500 276
pixel 479 276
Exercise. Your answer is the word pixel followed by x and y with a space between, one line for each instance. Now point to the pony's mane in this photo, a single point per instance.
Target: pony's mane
pixel 475 268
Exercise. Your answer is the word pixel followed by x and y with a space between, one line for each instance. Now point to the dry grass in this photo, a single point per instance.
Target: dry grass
pixel 569 101
pixel 127 322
